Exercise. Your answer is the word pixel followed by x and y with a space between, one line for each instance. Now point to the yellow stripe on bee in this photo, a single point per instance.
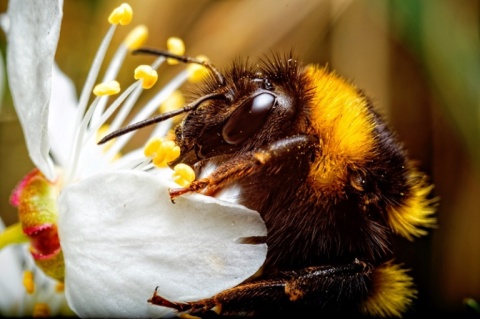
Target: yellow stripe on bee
pixel 341 117
pixel 393 292
pixel 412 217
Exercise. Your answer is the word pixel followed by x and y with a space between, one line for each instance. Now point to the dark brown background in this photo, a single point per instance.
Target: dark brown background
pixel 418 60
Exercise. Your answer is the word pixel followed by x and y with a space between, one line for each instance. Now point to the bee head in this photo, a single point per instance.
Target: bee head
pixel 241 109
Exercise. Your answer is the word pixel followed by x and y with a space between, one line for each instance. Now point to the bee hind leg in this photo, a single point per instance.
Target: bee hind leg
pixel 183 308
pixel 320 289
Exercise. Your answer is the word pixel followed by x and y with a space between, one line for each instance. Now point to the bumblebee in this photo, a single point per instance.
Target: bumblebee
pixel 306 149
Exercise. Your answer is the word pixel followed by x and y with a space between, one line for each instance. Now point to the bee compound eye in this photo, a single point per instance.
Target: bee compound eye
pixel 248 118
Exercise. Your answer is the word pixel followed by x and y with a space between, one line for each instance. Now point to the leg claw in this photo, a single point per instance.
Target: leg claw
pixel 195 186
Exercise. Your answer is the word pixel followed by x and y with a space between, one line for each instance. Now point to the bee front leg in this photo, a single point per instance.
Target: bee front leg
pixel 322 288
pixel 271 159
pixel 195 186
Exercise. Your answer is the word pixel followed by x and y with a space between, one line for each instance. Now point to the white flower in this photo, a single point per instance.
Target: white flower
pixel 39 294
pixel 119 232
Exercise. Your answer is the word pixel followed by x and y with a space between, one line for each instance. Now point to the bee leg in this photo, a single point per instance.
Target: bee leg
pixel 271 158
pixel 195 186
pixel 182 307
pixel 322 288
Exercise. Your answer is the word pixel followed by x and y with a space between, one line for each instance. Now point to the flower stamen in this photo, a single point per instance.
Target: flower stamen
pixel 121 15
pixel 161 151
pixel 173 102
pixel 176 46
pixel 59 287
pixel 149 109
pixel 136 38
pixel 147 75
pixel 101 132
pixel 132 41
pixel 13 234
pixel 93 73
pixel 196 71
pixel 183 175
pixel 41 310
pixel 29 282
pixel 107 88
pixel 126 95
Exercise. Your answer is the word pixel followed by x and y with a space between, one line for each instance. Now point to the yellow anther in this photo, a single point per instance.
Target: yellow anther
pixel 121 15
pixel 60 287
pixel 183 174
pixel 136 38
pixel 161 151
pixel 106 88
pixel 148 75
pixel 152 146
pixel 173 102
pixel 175 46
pixel 102 131
pixel 28 281
pixel 166 153
pixel 197 72
pixel 41 310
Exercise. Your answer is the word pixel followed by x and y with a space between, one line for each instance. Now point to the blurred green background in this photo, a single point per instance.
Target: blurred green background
pixel 418 60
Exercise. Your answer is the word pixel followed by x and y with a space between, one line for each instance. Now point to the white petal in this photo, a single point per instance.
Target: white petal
pixel 62 114
pixel 122 236
pixel 11 276
pixel 32 40
pixel 11 288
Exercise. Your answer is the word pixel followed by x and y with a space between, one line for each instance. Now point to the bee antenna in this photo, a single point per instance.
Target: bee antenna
pixel 184 59
pixel 160 118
